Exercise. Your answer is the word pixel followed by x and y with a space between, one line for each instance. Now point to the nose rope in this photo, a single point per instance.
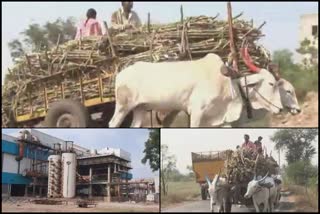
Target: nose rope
pixel 265 99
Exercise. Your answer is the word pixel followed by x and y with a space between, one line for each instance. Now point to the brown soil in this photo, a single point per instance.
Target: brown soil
pixel 307 118
pixel 101 207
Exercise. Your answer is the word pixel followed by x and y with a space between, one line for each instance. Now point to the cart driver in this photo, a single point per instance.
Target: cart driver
pixel 125 18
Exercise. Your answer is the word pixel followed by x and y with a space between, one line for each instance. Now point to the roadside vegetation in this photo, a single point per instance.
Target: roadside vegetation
pixel 175 186
pixel 300 176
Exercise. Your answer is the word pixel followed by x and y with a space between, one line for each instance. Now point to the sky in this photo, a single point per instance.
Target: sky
pixel 181 142
pixel 281 29
pixel 130 140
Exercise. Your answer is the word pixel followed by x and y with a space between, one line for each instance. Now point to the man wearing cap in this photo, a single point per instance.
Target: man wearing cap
pixel 125 18
pixel 258 145
pixel 247 143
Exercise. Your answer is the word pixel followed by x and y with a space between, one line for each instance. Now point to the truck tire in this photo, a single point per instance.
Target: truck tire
pixel 203 193
pixel 67 113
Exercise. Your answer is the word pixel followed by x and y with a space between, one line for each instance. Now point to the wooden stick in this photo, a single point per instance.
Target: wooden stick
pixel 28 61
pixel 113 52
pixel 58 42
pixel 231 38
pixel 237 16
pixel 246 34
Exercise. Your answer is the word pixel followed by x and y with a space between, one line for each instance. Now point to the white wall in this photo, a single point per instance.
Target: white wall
pixel 305 32
pixel 156 184
pixel 9 163
pixel 117 152
pixel 8 138
pixel 25 163
pixel 306 23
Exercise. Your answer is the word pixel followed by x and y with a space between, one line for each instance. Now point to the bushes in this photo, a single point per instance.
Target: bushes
pixel 301 173
pixel 303 79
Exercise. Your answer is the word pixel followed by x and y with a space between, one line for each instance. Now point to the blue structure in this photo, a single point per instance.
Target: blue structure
pixel 12 180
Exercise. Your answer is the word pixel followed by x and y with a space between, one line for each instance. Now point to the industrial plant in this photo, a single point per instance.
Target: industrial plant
pixel 35 164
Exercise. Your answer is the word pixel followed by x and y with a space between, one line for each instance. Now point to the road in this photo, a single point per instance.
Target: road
pixel 203 206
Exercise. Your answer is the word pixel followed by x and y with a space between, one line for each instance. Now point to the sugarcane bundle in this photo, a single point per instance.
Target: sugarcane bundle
pixel 243 164
pixel 93 57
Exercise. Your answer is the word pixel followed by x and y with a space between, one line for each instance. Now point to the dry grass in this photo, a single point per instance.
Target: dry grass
pixel 306 201
pixel 179 192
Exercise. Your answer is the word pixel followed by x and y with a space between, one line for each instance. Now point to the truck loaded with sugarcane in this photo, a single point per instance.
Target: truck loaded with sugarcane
pixel 73 84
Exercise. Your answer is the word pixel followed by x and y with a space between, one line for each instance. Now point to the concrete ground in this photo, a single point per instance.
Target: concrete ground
pixel 286 205
pixel 22 206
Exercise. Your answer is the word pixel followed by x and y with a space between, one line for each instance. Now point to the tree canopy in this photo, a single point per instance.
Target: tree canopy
pixel 296 142
pixel 152 150
pixel 37 37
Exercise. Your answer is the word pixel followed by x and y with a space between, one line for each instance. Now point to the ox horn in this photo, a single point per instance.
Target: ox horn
pixel 219 175
pixel 274 69
pixel 262 179
pixel 248 60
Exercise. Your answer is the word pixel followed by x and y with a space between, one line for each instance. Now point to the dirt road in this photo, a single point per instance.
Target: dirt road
pixel 286 205
pixel 71 207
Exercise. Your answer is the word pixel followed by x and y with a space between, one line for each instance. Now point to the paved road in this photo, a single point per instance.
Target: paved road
pixel 203 206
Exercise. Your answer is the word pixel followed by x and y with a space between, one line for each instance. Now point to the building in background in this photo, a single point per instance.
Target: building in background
pixel 35 164
pixel 25 168
pixel 309 30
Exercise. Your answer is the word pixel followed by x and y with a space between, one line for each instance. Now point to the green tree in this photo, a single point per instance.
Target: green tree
pixel 168 165
pixel 191 172
pixel 301 172
pixel 37 37
pixel 283 58
pixel 16 49
pixel 306 47
pixel 152 150
pixel 296 142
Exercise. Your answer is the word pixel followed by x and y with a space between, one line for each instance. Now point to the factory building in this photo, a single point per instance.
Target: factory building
pixel 309 30
pixel 47 166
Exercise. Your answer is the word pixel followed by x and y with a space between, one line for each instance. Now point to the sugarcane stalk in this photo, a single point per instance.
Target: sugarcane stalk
pixel 231 38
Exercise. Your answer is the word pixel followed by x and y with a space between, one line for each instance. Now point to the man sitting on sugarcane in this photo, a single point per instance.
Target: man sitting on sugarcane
pixel 248 145
pixel 258 145
pixel 125 18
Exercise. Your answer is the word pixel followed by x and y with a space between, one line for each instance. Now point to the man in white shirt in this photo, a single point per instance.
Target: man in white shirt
pixel 125 18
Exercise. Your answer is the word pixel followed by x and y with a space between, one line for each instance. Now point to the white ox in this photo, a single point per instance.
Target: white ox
pixel 196 87
pixel 220 194
pixel 278 183
pixel 288 99
pixel 264 192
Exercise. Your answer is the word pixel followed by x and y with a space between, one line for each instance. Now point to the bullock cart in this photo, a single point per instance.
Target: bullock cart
pixel 237 167
pixel 72 84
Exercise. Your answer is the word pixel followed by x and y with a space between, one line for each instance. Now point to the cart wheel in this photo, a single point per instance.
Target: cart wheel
pixel 203 193
pixel 67 113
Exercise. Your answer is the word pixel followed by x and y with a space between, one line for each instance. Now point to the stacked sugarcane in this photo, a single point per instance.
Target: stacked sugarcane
pixel 93 57
pixel 243 164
